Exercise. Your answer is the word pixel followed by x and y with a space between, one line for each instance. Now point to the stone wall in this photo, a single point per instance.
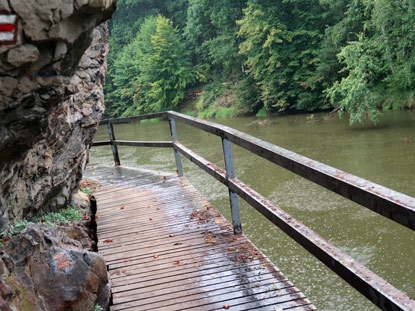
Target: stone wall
pixel 51 101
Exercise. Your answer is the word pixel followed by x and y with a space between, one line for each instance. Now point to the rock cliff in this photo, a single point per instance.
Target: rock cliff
pixel 51 101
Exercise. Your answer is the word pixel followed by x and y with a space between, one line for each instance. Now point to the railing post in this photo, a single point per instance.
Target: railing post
pixel 176 153
pixel 233 197
pixel 113 144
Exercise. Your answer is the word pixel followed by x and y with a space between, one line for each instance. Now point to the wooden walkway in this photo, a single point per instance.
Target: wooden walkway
pixel 167 248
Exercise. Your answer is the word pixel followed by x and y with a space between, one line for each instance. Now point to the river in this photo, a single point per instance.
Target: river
pixel 377 153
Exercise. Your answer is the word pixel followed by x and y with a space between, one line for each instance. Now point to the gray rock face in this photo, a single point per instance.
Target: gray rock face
pixel 44 268
pixel 51 101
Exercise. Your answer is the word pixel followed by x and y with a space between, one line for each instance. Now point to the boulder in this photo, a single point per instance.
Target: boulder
pixel 41 256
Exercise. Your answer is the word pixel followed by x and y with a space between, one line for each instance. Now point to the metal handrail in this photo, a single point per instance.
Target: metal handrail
pixel 389 203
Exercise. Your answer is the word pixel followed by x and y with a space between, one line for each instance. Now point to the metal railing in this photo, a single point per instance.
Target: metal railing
pixel 389 203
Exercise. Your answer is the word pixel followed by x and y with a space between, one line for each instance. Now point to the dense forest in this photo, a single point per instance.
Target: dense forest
pixel 229 57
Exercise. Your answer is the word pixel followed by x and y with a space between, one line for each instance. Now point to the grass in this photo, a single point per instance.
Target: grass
pixel 154 120
pixel 262 112
pixel 97 307
pixel 190 113
pixel 86 190
pixel 63 216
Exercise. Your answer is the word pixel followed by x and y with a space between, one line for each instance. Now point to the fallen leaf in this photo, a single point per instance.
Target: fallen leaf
pixel 176 261
pixel 178 243
pixel 126 260
pixel 115 272
pixel 164 177
pixel 156 256
pixel 124 271
pixel 96 216
pixel 121 207
pixel 148 206
pixel 235 239
pixel 171 235
pixel 6 239
pixel 226 307
pixel 230 249
pixel 205 205
pixel 108 241
pixel 43 220
pixel 150 219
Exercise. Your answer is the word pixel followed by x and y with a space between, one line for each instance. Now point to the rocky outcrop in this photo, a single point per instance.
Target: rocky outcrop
pixel 51 101
pixel 41 256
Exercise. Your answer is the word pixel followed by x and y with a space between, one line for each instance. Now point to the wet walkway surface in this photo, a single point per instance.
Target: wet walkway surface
pixel 167 248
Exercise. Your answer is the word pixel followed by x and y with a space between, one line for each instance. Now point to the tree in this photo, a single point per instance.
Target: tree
pixel 164 67
pixel 379 65
pixel 281 41
pixel 124 27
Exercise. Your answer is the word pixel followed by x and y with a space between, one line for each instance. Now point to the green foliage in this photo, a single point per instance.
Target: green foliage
pixel 155 120
pixel 124 26
pixel 283 55
pixel 97 307
pixel 281 41
pixel 379 63
pixel 262 112
pixel 355 92
pixel 87 190
pixel 20 225
pixel 165 69
pixel 152 72
pixel 189 113
pixel 63 216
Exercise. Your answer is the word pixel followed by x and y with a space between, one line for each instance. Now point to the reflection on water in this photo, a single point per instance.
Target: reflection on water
pixel 377 153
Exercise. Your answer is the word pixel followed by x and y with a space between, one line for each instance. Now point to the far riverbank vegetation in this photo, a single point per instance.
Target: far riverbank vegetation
pixel 259 57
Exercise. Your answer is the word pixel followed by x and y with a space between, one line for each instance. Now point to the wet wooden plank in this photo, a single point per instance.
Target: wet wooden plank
pixel 167 248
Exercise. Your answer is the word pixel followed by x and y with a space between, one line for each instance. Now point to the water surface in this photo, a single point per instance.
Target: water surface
pixel 377 153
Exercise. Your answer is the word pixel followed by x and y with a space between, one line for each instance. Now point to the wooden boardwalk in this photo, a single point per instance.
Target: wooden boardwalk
pixel 167 248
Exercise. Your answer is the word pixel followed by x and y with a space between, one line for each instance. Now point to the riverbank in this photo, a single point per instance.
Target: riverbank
pixel 234 99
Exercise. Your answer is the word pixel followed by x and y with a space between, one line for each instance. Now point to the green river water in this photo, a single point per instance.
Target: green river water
pixel 377 153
